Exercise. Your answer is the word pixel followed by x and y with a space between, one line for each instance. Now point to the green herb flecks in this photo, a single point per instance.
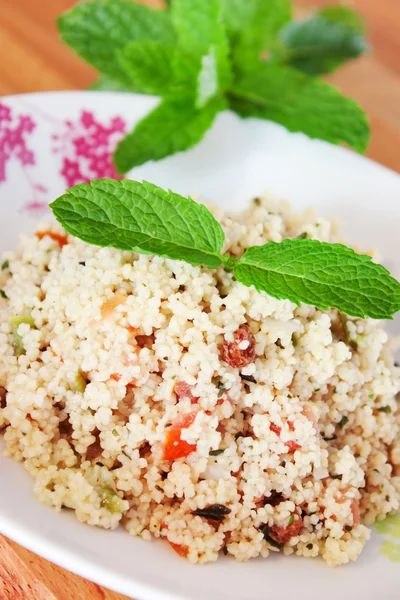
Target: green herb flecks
pixel 16 321
pixel 5 265
pixel 143 218
pixel 111 501
pixel 385 409
pixel 267 537
pixel 217 452
pixel 201 56
pixel 343 422
pixel 79 384
pixel 3 294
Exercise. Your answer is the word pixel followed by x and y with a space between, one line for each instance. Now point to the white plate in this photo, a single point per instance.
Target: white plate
pixel 49 141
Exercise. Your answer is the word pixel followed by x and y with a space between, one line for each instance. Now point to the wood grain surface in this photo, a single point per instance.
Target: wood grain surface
pixel 33 59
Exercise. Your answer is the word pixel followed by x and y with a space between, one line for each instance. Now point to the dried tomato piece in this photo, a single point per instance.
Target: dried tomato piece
pixel 232 352
pixel 3 397
pixel 94 450
pixel 282 535
pixel 184 390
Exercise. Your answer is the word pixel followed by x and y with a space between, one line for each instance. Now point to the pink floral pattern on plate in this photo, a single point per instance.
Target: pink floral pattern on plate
pixel 84 145
pixel 14 129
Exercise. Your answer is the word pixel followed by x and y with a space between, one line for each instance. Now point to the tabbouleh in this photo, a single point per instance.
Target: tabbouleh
pixel 188 407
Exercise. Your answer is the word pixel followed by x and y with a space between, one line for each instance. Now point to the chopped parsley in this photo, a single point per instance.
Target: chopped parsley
pixel 248 378
pixel 217 452
pixel 343 422
pixel 385 409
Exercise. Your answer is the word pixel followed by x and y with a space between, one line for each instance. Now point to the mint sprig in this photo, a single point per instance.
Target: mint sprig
pixel 203 56
pixel 300 103
pixel 97 30
pixel 143 218
pixel 174 125
pixel 322 43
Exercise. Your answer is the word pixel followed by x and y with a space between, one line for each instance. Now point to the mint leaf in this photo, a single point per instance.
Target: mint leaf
pixel 344 15
pixel 149 64
pixel 97 29
pixel 207 83
pixel 253 26
pixel 108 84
pixel 200 30
pixel 300 103
pixel 174 125
pixel 324 275
pixel 321 44
pixel 129 215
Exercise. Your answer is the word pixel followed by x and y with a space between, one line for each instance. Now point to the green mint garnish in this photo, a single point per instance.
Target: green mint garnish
pixel 253 26
pixel 97 30
pixel 322 43
pixel 143 218
pixel 175 125
pixel 299 103
pixel 326 275
pixel 149 64
pixel 204 56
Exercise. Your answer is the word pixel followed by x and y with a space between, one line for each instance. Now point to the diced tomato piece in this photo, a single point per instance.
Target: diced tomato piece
pixel 282 535
pixel 179 549
pixel 290 425
pixel 291 445
pixel 277 430
pixel 131 329
pixel 174 446
pixel 61 240
pixel 235 356
pixel 116 376
pixel 184 390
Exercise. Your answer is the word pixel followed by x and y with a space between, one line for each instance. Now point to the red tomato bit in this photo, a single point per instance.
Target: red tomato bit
pixel 179 549
pixel 282 535
pixel 184 390
pixel 237 357
pixel 57 237
pixel 174 446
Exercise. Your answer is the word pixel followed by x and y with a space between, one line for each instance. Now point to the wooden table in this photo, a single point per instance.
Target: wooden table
pixel 33 59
